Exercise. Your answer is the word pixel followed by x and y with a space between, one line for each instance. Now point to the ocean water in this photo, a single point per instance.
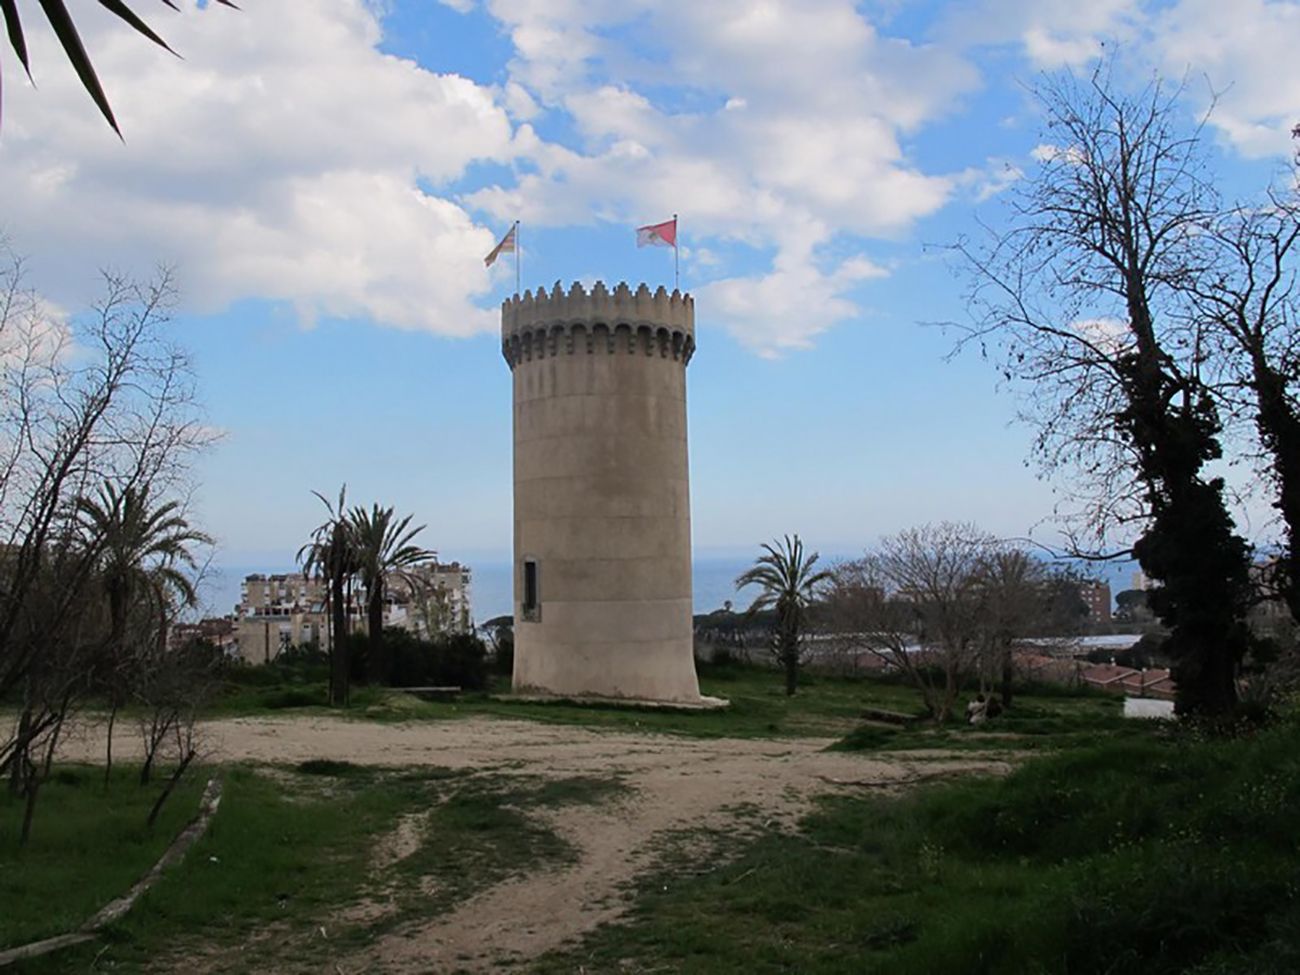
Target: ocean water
pixel 713 583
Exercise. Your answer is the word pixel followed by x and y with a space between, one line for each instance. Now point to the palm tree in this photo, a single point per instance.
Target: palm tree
pixel 384 547
pixel 789 587
pixel 332 555
pixel 66 31
pixel 138 550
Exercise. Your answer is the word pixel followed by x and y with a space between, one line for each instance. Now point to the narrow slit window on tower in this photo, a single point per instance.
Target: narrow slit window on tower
pixel 532 604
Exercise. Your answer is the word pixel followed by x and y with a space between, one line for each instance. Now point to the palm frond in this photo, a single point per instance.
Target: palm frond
pixel 65 29
pixel 14 26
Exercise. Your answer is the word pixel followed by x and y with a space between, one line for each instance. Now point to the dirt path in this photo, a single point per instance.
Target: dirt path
pixel 677 783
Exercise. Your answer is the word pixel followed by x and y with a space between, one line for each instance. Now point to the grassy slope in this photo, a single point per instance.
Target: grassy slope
pixel 291 848
pixel 1120 851
pixel 63 876
pixel 1144 855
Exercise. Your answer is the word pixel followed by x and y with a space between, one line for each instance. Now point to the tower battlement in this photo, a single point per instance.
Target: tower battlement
pixel 540 325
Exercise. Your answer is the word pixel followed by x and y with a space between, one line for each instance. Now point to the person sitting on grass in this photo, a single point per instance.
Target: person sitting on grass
pixel 977 710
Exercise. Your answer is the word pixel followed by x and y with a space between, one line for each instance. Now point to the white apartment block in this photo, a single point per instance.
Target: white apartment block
pixel 280 611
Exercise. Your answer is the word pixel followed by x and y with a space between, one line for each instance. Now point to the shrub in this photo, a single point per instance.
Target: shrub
pixel 294 698
pixel 501 638
pixel 454 659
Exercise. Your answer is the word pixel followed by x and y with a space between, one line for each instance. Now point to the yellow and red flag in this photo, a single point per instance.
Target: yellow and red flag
pixel 506 246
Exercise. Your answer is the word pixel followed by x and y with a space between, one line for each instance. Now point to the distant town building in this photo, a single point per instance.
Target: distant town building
pixel 1096 596
pixel 280 611
pixel 218 631
pixel 1151 682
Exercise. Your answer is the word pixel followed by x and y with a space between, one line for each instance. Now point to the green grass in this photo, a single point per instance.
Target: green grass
pixel 1037 721
pixel 289 851
pixel 63 876
pixel 759 708
pixel 1122 834
pixel 1153 856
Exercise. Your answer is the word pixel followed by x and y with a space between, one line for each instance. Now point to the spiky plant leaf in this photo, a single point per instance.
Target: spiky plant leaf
pixel 56 12
pixel 66 31
pixel 14 25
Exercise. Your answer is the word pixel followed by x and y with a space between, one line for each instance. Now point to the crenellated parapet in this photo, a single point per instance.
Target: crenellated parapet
pixel 540 325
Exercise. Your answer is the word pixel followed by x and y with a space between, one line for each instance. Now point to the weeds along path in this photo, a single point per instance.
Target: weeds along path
pixel 680 786
pixel 675 785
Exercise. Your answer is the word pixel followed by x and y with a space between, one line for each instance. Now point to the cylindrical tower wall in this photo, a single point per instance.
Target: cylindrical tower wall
pixel 602 531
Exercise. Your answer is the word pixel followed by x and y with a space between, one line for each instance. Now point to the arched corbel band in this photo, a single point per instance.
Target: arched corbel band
pixel 547 341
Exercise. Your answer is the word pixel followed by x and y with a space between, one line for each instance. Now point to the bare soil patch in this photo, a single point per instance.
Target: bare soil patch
pixel 676 784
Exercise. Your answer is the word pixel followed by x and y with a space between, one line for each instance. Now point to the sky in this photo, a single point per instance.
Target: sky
pixel 326 178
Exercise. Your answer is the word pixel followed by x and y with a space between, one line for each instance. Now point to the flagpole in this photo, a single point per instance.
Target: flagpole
pixel 519 256
pixel 676 267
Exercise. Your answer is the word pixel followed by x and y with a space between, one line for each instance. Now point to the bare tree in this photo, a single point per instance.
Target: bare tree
pixel 172 686
pixel 103 399
pixel 1083 298
pixel 1247 302
pixel 1019 596
pixel 915 602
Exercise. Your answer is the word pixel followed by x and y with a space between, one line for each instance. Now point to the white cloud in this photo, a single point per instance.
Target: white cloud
pixel 287 157
pixel 1246 50
pixel 1052 33
pixel 788 307
pixel 787 132
pixel 279 159
pixel 1110 335
pixel 995 177
pixel 519 103
pixel 1249 51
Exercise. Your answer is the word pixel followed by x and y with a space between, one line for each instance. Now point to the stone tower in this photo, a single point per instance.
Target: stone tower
pixel 602 559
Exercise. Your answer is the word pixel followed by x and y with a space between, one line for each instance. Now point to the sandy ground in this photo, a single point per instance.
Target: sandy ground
pixel 677 783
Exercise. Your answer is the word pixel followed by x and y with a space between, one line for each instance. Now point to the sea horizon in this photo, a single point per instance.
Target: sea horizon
pixel 712 583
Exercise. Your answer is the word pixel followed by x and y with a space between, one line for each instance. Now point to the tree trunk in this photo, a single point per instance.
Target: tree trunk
pixel 171 785
pixel 152 743
pixel 1279 430
pixel 19 756
pixel 29 808
pixel 1007 673
pixel 340 675
pixel 1190 546
pixel 331 644
pixel 949 695
pixel 54 740
pixel 108 745
pixel 380 666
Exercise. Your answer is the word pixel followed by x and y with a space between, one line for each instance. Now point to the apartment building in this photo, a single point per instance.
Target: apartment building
pixel 1096 596
pixel 280 611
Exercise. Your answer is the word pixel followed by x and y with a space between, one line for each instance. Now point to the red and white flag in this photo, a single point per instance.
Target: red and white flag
pixel 506 246
pixel 658 234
